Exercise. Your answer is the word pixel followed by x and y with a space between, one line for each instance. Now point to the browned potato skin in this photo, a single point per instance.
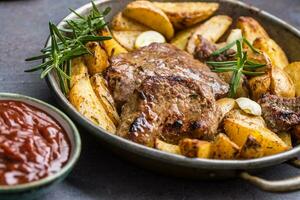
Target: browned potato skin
pixel 83 98
pixel 186 14
pixel 112 47
pixel 293 70
pixel 251 29
pixel 277 56
pixel 100 88
pixel 224 148
pixel 166 147
pixel 147 14
pixel 259 85
pixel 98 61
pixel 194 148
pixel 78 70
pixel 122 23
pixel 281 84
pixel 251 149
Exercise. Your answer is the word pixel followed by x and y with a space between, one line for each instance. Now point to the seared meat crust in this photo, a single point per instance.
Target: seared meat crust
pixel 170 108
pixel 280 114
pixel 128 71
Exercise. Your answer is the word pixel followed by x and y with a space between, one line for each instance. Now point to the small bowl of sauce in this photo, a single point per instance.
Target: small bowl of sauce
pixel 39 146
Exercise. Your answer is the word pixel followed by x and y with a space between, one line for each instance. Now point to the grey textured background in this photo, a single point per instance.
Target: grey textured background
pixel 100 174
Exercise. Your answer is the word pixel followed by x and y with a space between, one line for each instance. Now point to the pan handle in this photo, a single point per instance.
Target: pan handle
pixel 286 185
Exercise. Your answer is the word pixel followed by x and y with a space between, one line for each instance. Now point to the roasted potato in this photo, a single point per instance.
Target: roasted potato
pixel 84 99
pixel 148 14
pixel 226 105
pixel 78 70
pixel 286 137
pixel 259 85
pixel 98 61
pixel 293 70
pixel 126 38
pixel 224 148
pixel 238 126
pixel 251 29
pixel 211 30
pixel 122 23
pixel 181 38
pixel 273 50
pixel 163 146
pixel 186 14
pixel 281 84
pixel 100 88
pixel 194 148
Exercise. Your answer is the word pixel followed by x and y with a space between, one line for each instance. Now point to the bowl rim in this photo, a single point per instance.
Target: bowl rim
pixel 70 163
pixel 158 155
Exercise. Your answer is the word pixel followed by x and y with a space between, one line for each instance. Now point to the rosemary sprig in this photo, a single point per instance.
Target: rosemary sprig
pixel 241 65
pixel 68 43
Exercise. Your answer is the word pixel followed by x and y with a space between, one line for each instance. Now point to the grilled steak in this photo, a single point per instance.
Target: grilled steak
pixel 280 114
pixel 170 108
pixel 128 71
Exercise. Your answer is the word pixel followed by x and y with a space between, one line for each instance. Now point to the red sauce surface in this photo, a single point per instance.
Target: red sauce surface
pixel 32 144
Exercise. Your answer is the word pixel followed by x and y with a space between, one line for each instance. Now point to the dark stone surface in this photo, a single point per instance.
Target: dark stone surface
pixel 100 174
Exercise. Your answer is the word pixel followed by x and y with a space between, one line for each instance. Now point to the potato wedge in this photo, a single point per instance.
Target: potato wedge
pixel 78 70
pixel 100 88
pixel 211 30
pixel 181 38
pixel 84 99
pixel 98 61
pixel 239 128
pixel 224 148
pixel 148 14
pixel 126 38
pixel 273 50
pixel 194 148
pixel 122 23
pixel 251 29
pixel 163 146
pixel 293 70
pixel 226 105
pixel 186 14
pixel 112 47
pixel 281 84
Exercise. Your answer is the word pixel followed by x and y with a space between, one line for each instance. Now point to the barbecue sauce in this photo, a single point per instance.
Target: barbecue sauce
pixel 32 144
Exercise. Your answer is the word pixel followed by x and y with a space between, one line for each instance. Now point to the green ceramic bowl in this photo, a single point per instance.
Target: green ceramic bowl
pixel 35 189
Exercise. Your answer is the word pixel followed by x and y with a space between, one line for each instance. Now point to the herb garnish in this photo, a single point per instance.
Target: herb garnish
pixel 68 43
pixel 241 64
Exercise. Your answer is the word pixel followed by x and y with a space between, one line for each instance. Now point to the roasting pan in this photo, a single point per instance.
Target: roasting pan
pixel 287 37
